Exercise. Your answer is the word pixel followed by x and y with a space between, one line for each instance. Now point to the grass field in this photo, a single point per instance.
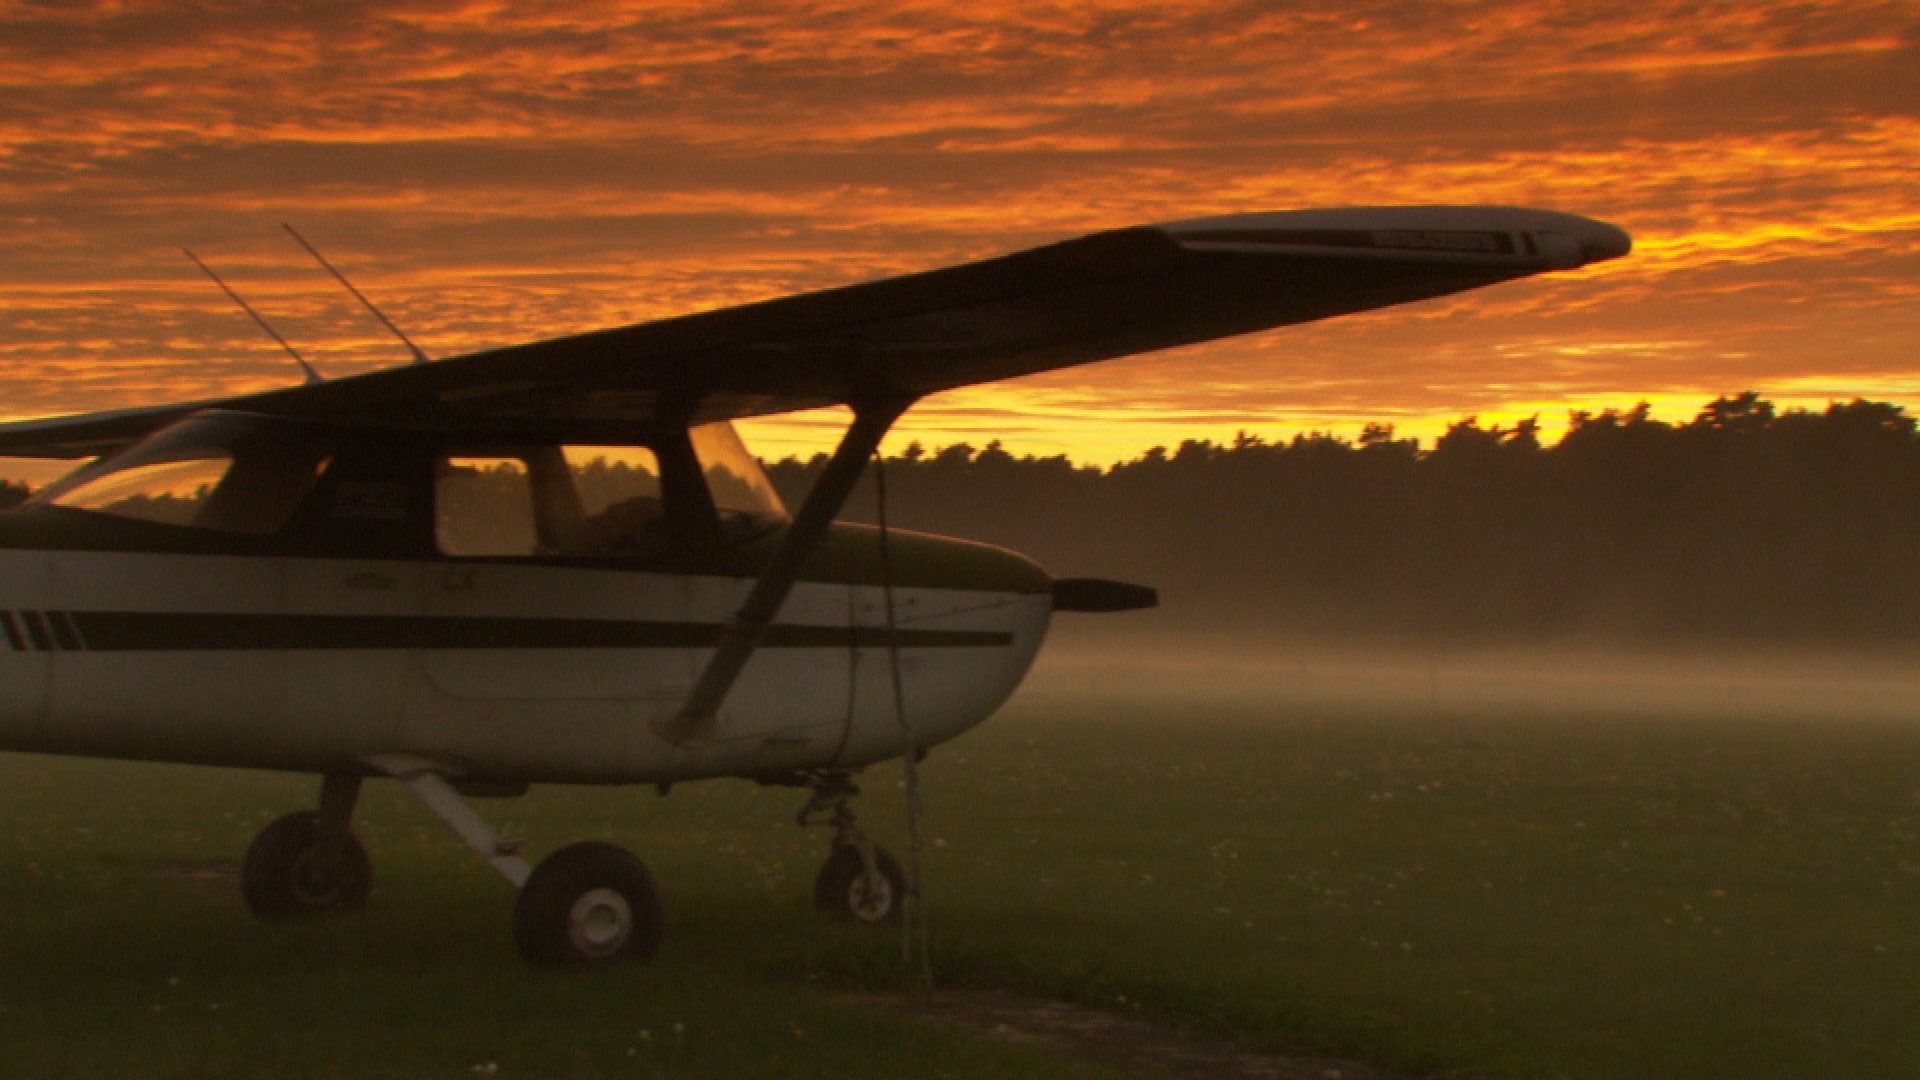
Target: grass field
pixel 1492 892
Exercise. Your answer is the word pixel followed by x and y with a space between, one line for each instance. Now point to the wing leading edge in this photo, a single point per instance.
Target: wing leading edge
pixel 1102 296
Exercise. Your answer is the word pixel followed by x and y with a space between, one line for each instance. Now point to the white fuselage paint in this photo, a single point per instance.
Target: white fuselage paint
pixel 507 711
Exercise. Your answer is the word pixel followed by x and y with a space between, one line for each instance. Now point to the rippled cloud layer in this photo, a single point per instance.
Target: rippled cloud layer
pixel 494 173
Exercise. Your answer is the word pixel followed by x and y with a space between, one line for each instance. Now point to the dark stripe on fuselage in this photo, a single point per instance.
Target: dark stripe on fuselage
pixel 37 630
pixel 64 633
pixel 141 631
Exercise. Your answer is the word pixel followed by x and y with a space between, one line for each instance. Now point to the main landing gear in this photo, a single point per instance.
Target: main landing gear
pixel 586 904
pixel 861 880
pixel 309 862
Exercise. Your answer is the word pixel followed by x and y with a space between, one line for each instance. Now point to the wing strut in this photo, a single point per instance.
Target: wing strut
pixel 871 421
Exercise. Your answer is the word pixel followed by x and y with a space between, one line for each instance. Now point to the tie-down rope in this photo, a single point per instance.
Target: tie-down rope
pixel 913 926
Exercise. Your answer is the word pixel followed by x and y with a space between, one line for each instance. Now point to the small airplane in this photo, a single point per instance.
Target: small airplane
pixel 557 563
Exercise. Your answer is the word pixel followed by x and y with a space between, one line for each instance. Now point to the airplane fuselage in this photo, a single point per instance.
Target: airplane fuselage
pixel 336 600
pixel 516 672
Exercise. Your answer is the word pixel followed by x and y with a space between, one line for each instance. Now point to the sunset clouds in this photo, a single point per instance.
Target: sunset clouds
pixel 492 173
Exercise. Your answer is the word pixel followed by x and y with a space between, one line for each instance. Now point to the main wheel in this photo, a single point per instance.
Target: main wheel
pixel 587 904
pixel 845 890
pixel 287 873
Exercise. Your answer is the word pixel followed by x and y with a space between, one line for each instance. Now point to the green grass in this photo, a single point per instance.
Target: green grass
pixel 1498 896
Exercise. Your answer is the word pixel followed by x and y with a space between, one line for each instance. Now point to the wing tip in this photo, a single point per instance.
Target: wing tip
pixel 1549 239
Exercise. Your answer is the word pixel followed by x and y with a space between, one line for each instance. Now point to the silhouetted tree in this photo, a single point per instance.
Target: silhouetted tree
pixel 1745 521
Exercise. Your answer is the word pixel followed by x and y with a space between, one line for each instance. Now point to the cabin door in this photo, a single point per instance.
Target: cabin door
pixel 347 685
pixel 526 661
pixel 529 663
pixel 549 643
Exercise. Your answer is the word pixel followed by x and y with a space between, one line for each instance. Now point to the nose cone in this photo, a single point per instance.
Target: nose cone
pixel 1600 242
pixel 1569 242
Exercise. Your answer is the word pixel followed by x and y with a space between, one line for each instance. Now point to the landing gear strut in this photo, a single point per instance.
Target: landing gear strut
pixel 583 905
pixel 860 881
pixel 586 904
pixel 309 862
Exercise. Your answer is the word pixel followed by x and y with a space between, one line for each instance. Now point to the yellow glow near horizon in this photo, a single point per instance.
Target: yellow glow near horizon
pixel 1090 441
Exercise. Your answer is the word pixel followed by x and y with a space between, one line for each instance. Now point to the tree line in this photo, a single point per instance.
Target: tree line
pixel 1746 522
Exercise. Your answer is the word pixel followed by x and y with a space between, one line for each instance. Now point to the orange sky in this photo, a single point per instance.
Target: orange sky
pixel 497 172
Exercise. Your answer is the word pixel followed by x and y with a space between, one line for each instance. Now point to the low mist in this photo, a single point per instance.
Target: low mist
pixel 1089 659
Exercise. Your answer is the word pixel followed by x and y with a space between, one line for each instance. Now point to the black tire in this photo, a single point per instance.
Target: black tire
pixel 587 904
pixel 843 891
pixel 286 875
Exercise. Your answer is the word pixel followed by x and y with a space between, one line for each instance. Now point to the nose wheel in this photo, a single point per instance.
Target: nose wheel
pixel 861 881
pixel 848 888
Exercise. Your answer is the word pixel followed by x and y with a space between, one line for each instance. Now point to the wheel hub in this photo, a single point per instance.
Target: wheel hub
pixel 870 897
pixel 599 922
pixel 316 878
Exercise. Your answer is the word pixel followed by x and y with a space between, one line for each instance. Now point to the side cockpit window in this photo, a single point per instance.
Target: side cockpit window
pixel 221 471
pixel 620 508
pixel 602 501
pixel 550 500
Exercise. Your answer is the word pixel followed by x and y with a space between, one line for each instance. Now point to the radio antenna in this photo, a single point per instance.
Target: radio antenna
pixel 312 375
pixel 418 356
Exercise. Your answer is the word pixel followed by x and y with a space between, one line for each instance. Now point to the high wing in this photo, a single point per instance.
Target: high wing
pixel 1106 295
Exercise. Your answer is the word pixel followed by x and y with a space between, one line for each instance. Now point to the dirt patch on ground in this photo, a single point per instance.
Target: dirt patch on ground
pixel 1109 1038
pixel 207 875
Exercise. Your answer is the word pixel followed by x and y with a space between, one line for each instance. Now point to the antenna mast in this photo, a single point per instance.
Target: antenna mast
pixel 312 375
pixel 418 356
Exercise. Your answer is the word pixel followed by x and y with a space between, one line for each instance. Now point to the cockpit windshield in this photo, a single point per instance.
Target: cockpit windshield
pixel 229 472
